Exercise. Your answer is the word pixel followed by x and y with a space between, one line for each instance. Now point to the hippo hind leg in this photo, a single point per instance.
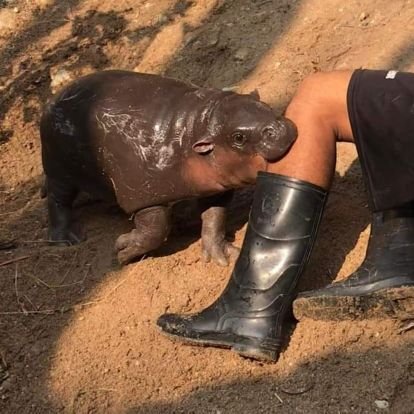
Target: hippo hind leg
pixel 60 196
pixel 152 226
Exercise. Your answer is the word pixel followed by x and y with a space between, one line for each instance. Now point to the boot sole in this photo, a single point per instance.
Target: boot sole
pixel 385 303
pixel 246 347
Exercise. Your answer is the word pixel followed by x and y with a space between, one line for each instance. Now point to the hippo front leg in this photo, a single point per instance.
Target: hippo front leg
pixel 152 226
pixel 213 232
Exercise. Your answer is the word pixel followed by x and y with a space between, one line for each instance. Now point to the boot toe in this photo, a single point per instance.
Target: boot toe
pixel 174 324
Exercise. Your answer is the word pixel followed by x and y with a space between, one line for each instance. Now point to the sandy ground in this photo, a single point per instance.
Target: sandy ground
pixel 77 333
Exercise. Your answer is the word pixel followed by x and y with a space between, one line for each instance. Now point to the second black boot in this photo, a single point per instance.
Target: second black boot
pixel 251 313
pixel 384 283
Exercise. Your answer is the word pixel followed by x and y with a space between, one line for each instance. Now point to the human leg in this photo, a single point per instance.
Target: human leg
pixel 382 286
pixel 251 314
pixel 319 110
pixel 380 111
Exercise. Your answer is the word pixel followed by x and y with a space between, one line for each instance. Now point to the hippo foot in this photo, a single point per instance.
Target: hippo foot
pixel 219 253
pixel 152 226
pixel 67 237
pixel 131 246
pixel 128 247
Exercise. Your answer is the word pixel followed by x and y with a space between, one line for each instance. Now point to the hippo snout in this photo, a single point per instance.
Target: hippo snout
pixel 276 139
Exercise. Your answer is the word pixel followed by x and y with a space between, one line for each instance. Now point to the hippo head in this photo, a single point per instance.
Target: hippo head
pixel 244 124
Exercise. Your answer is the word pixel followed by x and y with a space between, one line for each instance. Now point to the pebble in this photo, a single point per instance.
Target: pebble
pixel 162 19
pixel 6 385
pixel 60 78
pixel 242 54
pixel 382 404
pixel 213 39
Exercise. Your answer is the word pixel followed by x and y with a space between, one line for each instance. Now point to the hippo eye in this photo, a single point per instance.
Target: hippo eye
pixel 239 139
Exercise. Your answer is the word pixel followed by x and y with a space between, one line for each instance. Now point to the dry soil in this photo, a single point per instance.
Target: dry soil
pixel 77 332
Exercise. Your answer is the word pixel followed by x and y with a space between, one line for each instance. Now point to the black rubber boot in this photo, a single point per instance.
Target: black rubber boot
pixel 382 286
pixel 249 315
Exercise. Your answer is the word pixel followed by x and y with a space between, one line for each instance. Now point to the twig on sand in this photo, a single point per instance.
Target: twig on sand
pixel 16 259
pixel 31 303
pixel 68 308
pixel 4 373
pixel 278 397
pixel 62 285
pixel 41 241
pixel 264 2
pixel 339 54
pixel 299 391
pixel 16 275
pixel 406 326
pixel 16 289
pixel 107 390
pixel 75 256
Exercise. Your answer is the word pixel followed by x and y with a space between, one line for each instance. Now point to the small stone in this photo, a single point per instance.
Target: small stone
pixel 229 88
pixel 382 404
pixel 242 54
pixel 190 37
pixel 363 16
pixel 213 39
pixel 6 385
pixel 16 9
pixel 162 19
pixel 59 78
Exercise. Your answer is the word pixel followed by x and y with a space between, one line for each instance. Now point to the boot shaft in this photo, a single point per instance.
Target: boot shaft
pixel 391 241
pixel 282 227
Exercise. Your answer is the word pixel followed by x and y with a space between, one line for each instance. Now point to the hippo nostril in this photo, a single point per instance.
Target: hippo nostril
pixel 269 134
pixel 288 129
pixel 277 138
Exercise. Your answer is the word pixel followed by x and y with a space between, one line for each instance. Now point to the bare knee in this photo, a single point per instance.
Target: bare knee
pixel 322 98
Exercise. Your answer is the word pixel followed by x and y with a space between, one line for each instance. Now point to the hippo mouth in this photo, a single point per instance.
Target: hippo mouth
pixel 277 139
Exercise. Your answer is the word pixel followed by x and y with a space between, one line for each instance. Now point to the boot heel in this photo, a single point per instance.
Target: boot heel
pixel 267 350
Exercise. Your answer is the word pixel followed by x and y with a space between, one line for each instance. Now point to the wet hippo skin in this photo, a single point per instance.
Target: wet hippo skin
pixel 145 142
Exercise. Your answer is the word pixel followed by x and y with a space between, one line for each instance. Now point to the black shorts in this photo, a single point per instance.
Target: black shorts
pixel 381 112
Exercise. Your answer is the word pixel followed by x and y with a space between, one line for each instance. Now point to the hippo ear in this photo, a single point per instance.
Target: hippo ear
pixel 255 94
pixel 204 146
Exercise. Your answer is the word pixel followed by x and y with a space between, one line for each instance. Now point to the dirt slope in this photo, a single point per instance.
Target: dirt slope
pixel 77 333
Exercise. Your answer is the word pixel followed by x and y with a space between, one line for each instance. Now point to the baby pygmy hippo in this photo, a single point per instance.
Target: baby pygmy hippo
pixel 146 141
